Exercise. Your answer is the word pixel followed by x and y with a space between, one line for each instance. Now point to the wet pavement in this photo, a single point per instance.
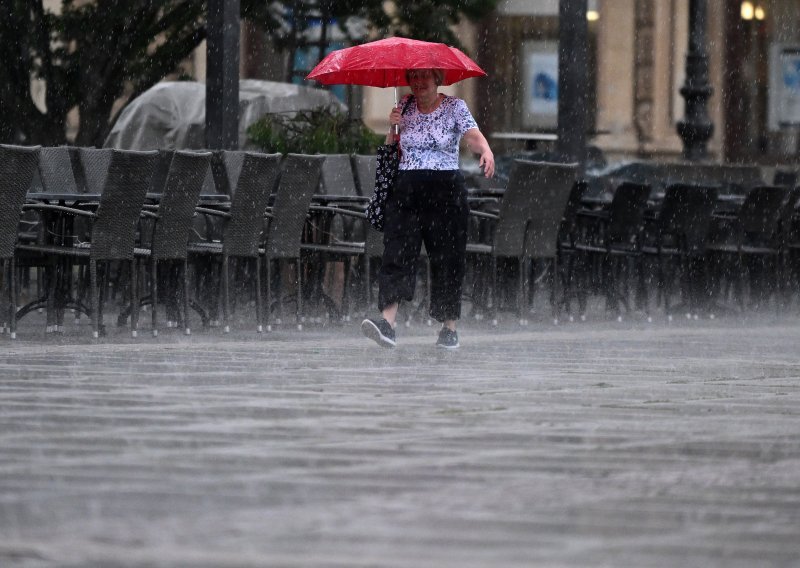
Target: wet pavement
pixel 595 444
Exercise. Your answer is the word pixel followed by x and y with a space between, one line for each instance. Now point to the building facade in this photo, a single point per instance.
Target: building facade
pixel 638 58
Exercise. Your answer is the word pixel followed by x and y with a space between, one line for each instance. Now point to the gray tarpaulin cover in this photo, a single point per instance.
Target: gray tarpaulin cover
pixel 172 114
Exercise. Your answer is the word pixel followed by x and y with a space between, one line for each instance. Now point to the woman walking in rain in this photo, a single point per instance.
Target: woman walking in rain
pixel 428 205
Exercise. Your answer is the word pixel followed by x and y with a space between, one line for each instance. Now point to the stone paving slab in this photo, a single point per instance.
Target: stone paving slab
pixel 583 445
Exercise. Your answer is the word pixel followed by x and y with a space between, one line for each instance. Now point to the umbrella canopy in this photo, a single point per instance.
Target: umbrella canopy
pixel 383 63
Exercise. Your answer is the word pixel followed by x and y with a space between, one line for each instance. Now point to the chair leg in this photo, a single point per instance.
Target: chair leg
pixel 4 294
pixel 259 307
pixel 185 275
pixel 154 295
pixel 495 294
pixel 94 300
pixel 299 315
pixel 268 297
pixel 367 284
pixel 134 298
pixel 52 278
pixel 523 267
pixel 12 300
pixel 226 306
pixel 554 289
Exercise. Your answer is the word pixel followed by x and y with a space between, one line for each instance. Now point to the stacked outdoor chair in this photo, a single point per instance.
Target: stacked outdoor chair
pixel 552 188
pixel 364 242
pixel 329 234
pixel 172 223
pixel 17 167
pixel 112 228
pixel 612 241
pixel 241 230
pixel 786 243
pixel 286 220
pixel 569 259
pixel 677 243
pixel 527 224
pixel 58 174
pixel 749 242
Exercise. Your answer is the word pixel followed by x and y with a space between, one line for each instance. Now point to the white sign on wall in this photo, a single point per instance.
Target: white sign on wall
pixel 784 86
pixel 540 85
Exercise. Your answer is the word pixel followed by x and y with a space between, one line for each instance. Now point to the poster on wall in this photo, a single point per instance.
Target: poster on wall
pixel 784 92
pixel 540 81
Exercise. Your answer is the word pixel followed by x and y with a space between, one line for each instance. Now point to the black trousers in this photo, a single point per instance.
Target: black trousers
pixel 426 206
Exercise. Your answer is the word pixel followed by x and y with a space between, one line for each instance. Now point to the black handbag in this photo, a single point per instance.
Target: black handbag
pixel 385 176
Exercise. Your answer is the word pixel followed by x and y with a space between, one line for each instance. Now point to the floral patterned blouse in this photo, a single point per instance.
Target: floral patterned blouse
pixel 430 141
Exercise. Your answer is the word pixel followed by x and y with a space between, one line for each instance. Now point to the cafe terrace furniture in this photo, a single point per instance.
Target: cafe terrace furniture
pixel 112 225
pixel 242 225
pixel 17 167
pixel 172 223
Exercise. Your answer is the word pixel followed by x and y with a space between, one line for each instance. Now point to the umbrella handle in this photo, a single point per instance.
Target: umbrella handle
pixel 396 102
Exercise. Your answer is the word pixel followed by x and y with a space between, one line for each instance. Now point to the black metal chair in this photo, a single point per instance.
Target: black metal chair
pixel 569 259
pixel 677 242
pixel 552 186
pixel 749 243
pixel 242 227
pixel 17 167
pixel 509 234
pixel 615 239
pixel 170 236
pixel 112 226
pixel 286 219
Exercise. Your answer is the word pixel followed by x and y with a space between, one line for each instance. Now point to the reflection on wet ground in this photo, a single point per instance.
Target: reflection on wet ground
pixel 587 444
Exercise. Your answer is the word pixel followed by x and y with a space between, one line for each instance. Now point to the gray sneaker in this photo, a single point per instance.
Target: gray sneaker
pixel 448 339
pixel 380 331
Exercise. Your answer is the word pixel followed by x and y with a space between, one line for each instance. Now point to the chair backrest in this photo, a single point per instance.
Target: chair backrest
pixel 55 170
pixel 686 214
pixel 515 207
pixel 255 184
pixel 626 212
pixel 226 167
pixel 337 176
pixel 551 185
pixel 114 230
pixel 299 179
pixel 95 163
pixel 178 200
pixel 569 222
pixel 760 213
pixel 17 167
pixel 159 179
pixel 365 168
pixel 789 208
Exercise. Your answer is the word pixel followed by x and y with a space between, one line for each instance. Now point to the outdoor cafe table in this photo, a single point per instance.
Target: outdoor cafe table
pixel 60 228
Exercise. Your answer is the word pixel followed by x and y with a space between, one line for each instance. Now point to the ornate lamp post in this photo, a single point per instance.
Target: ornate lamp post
pixel 696 128
pixel 222 76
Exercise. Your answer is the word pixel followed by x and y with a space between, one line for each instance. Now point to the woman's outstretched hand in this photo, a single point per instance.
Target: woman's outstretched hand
pixel 487 163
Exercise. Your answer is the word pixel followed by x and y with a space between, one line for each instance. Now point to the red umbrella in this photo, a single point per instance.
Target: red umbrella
pixel 383 63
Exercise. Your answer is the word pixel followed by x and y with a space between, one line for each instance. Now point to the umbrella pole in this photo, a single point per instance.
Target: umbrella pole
pixel 396 102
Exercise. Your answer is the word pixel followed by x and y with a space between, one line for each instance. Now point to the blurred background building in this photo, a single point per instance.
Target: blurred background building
pixel 637 55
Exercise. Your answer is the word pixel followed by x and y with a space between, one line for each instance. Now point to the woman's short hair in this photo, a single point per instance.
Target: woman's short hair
pixel 438 75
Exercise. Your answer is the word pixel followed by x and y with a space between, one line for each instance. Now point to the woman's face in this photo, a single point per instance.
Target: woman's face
pixel 422 82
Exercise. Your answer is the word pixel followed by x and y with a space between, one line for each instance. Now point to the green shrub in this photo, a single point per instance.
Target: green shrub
pixel 323 130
